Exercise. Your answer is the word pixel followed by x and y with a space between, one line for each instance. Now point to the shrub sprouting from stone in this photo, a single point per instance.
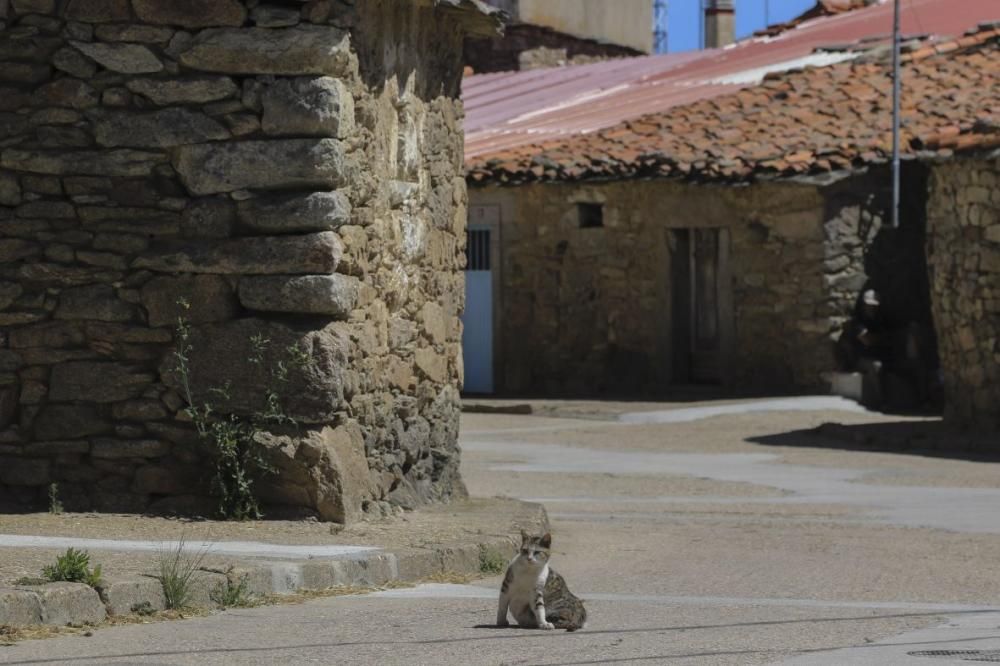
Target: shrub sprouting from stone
pixel 491 561
pixel 55 504
pixel 233 593
pixel 73 567
pixel 233 439
pixel 177 568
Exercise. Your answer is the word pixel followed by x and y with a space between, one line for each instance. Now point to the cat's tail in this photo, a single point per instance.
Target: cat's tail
pixel 581 623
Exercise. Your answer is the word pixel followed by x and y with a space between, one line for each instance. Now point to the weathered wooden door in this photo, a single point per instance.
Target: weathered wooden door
pixel 706 342
pixel 700 303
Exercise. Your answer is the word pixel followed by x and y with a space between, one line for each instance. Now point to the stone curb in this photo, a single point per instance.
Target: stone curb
pixel 76 604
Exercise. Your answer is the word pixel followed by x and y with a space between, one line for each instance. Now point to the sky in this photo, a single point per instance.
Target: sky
pixel 685 22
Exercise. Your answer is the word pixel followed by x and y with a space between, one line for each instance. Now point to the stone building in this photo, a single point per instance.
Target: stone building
pixel 290 170
pixel 726 241
pixel 553 33
pixel 633 286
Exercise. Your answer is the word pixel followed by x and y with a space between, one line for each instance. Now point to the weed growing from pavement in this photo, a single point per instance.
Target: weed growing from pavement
pixel 233 594
pixel 143 609
pixel 55 505
pixel 233 439
pixel 177 569
pixel 73 567
pixel 491 561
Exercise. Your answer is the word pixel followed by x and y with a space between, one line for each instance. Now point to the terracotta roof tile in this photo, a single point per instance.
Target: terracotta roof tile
pixel 811 121
pixel 508 110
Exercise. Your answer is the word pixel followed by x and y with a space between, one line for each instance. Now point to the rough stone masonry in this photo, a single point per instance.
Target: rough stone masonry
pixel 964 257
pixel 293 170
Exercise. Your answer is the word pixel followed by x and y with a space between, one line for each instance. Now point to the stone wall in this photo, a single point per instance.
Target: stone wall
pixel 587 311
pixel 292 170
pixel 963 251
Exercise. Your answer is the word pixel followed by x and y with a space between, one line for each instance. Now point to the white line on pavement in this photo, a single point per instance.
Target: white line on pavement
pixel 241 548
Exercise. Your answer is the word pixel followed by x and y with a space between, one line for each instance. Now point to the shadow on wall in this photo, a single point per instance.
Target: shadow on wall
pixel 382 57
pixel 932 438
pixel 893 268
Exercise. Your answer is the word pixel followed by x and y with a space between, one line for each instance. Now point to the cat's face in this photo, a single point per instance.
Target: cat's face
pixel 535 549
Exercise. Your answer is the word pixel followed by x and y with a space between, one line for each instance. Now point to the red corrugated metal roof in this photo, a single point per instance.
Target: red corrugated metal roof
pixel 509 110
pixel 813 121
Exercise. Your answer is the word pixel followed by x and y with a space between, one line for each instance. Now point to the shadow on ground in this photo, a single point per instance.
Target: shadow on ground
pixel 928 437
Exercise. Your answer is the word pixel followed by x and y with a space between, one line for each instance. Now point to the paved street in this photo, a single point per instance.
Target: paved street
pixel 698 534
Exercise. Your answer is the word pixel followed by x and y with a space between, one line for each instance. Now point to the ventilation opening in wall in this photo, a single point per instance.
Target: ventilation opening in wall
pixel 590 215
pixel 477 250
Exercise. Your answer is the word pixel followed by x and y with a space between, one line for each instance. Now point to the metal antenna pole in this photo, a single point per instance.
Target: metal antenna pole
pixel 896 89
pixel 701 24
pixel 661 30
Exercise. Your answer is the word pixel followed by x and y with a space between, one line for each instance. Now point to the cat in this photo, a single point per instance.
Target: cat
pixel 536 595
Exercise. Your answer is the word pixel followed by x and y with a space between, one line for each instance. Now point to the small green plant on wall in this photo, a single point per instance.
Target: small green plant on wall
pixel 55 505
pixel 491 561
pixel 234 593
pixel 232 439
pixel 73 567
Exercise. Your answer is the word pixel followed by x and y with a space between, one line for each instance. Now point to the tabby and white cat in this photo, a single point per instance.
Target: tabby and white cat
pixel 536 595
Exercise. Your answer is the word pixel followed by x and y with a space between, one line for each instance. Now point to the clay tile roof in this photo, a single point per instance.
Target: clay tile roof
pixel 811 121
pixel 822 8
pixel 515 110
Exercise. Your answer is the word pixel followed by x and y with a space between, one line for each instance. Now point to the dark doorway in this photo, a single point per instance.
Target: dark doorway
pixel 697 284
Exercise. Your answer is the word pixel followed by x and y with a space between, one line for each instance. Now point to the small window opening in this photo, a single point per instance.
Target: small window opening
pixel 591 215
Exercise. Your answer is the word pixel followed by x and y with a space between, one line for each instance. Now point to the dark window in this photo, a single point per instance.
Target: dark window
pixel 591 215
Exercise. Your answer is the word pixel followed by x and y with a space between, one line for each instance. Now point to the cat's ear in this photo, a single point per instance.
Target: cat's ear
pixel 546 540
pixel 524 537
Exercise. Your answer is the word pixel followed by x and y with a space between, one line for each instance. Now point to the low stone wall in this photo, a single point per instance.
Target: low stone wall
pixel 293 171
pixel 964 255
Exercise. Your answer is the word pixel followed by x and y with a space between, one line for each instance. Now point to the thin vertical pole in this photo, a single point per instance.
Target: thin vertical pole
pixel 767 13
pixel 896 89
pixel 661 29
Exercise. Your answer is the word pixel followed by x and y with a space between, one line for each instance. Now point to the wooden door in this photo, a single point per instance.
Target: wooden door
pixel 706 339
pixel 700 294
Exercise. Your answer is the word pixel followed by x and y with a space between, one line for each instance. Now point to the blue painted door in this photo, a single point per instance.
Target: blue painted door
pixel 477 333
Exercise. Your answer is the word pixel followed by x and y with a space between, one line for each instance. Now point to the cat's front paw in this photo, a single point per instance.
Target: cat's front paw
pixel 503 623
pixel 546 625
